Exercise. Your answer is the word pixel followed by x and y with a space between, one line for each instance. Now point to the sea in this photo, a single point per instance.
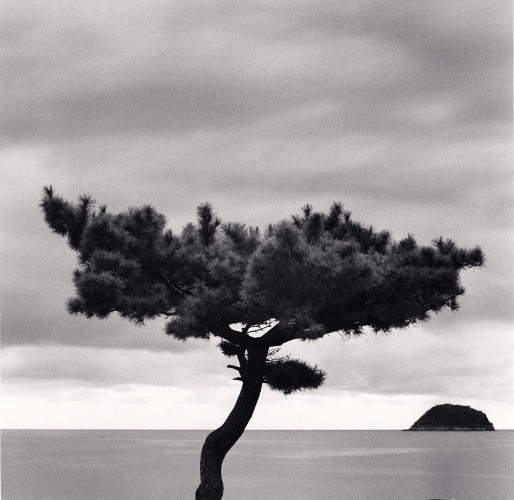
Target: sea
pixel 263 465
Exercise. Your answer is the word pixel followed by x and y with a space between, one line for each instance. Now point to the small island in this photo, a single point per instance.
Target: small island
pixel 448 417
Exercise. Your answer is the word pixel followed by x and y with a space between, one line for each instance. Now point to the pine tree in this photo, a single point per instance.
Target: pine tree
pixel 301 279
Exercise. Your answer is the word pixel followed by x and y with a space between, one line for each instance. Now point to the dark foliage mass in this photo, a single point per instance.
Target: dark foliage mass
pixel 313 275
pixel 453 417
pixel 289 375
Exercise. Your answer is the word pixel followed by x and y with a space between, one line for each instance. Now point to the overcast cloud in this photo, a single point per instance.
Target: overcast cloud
pixel 402 110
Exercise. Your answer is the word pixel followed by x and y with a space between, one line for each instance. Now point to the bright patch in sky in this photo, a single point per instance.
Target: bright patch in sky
pixel 257 330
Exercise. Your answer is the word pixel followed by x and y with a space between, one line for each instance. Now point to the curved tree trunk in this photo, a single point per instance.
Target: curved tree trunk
pixel 219 442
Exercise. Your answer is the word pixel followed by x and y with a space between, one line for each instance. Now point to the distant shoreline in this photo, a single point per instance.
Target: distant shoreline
pixel 448 429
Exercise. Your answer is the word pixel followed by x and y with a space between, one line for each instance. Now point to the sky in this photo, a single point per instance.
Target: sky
pixel 401 110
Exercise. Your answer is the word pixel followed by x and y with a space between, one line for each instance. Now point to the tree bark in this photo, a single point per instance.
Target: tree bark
pixel 219 442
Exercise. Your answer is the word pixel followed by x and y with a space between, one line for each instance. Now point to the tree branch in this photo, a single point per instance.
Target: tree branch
pixel 232 336
pixel 277 336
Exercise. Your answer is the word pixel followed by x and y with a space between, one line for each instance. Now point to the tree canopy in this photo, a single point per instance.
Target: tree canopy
pixel 314 274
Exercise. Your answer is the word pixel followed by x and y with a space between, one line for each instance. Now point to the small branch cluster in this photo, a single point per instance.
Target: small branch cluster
pixel 290 375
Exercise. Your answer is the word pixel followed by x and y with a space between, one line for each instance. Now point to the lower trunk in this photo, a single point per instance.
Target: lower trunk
pixel 219 442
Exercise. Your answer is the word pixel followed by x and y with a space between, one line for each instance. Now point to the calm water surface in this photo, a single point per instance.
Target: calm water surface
pixel 271 465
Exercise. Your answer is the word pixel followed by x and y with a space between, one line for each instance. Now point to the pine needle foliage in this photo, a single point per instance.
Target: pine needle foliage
pixel 290 375
pixel 311 275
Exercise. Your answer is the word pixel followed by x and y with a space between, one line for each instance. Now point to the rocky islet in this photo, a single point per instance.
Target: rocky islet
pixel 449 417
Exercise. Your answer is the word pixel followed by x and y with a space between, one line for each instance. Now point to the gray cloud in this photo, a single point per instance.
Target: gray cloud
pixel 465 361
pixel 101 367
pixel 469 362
pixel 151 107
pixel 76 76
